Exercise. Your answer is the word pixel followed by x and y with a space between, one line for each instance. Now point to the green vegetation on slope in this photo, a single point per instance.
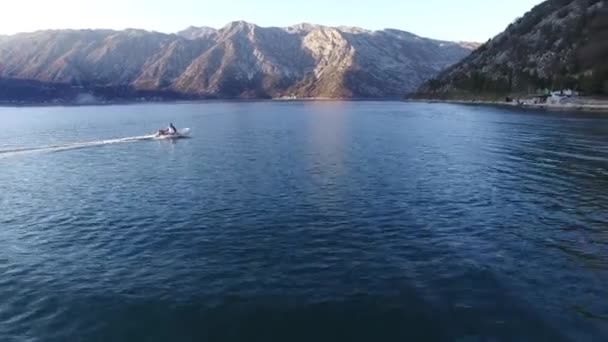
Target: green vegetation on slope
pixel 559 44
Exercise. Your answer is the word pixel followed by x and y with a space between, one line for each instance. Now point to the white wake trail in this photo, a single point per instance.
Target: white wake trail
pixel 72 146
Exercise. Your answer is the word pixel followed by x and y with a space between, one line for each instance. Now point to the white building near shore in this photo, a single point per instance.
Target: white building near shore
pixel 561 96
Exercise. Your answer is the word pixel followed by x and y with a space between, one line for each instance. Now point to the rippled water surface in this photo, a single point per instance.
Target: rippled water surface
pixel 330 221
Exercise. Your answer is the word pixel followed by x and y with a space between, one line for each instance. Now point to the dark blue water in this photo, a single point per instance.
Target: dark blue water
pixel 304 222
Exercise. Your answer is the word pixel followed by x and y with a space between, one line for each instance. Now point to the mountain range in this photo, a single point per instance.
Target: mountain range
pixel 240 60
pixel 559 44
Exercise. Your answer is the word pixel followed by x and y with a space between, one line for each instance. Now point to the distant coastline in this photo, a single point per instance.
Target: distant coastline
pixel 135 101
pixel 587 105
pixel 24 93
pixel 582 104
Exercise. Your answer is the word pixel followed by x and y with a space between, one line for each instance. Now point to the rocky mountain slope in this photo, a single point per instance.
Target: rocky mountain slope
pixel 238 60
pixel 558 44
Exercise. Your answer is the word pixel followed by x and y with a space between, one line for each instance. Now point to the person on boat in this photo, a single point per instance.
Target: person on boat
pixel 171 129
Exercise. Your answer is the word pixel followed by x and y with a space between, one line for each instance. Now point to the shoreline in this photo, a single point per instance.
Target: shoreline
pixel 9 104
pixel 599 106
pixel 586 105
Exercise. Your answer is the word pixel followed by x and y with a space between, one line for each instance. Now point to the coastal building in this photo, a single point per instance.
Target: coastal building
pixel 562 96
pixel 564 93
pixel 289 97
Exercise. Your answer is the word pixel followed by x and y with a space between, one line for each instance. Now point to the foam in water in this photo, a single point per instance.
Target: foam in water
pixel 183 133
pixel 73 146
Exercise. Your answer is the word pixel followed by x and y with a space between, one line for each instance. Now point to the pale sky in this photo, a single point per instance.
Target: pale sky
pixel 470 20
